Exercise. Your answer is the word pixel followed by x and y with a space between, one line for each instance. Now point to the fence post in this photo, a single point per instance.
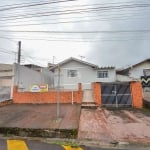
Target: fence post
pixel 72 97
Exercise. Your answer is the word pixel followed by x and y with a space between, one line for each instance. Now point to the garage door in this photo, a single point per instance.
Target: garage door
pixel 116 95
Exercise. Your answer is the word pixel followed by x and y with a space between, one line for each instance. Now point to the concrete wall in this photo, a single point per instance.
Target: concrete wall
pixel 86 75
pixel 137 71
pixel 25 77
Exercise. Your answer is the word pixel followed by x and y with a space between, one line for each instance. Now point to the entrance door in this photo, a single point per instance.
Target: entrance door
pixel 116 95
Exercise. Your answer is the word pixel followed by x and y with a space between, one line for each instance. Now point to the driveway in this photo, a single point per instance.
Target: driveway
pixel 115 125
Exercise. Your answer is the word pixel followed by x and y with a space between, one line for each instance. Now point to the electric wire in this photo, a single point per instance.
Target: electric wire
pixel 33 5
pixel 64 12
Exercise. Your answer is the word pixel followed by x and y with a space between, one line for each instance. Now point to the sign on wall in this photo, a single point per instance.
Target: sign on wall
pixel 145 81
pixel 39 88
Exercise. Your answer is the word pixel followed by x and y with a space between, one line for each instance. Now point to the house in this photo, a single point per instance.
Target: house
pixel 137 70
pixel 23 77
pixel 26 76
pixel 140 71
pixel 6 81
pixel 70 72
pixel 34 67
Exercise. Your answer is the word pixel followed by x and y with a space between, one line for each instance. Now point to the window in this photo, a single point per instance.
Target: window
pixel 146 72
pixel 72 73
pixel 102 74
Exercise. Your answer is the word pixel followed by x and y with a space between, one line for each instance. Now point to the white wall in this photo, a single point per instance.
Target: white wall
pixel 25 77
pixel 137 71
pixel 6 82
pixel 86 75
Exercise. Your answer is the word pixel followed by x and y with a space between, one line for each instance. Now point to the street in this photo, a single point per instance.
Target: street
pixel 27 145
pixel 38 145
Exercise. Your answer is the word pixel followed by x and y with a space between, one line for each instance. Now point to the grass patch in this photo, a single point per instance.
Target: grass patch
pixel 66 143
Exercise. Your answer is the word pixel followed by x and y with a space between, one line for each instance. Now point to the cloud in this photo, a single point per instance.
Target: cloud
pixel 119 49
pixel 123 49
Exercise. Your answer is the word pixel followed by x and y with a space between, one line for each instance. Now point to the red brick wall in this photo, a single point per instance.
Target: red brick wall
pixel 47 97
pixel 97 93
pixel 137 94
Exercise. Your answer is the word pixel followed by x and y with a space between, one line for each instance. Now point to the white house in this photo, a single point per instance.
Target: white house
pixel 140 71
pixel 70 72
pixel 137 70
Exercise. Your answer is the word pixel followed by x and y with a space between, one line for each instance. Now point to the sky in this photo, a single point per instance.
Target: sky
pixel 102 32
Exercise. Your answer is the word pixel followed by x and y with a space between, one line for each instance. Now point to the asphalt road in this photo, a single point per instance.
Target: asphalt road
pixel 37 145
pixel 3 145
pixel 28 145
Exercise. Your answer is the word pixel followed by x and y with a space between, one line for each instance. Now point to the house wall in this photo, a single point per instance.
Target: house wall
pixel 86 75
pixel 6 81
pixel 25 77
pixel 137 71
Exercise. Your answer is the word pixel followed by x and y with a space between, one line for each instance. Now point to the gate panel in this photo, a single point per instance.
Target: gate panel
pixel 124 95
pixel 108 97
pixel 116 95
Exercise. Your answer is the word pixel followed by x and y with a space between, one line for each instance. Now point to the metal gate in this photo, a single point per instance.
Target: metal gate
pixel 116 95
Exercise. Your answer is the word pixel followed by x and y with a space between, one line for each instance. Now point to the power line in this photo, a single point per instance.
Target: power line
pixel 90 40
pixel 10 39
pixel 6 52
pixel 18 4
pixel 71 11
pixel 83 5
pixel 37 4
pixel 76 32
pixel 127 18
pixel 103 18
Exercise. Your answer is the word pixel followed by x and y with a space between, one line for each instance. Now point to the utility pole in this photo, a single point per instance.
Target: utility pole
pixel 18 61
pixel 19 52
pixel 54 60
pixel 58 93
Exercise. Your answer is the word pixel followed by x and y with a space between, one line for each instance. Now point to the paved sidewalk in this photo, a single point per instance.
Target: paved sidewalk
pixel 41 116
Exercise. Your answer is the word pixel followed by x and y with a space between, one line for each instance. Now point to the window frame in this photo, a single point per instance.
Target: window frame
pixel 72 73
pixel 146 72
pixel 102 74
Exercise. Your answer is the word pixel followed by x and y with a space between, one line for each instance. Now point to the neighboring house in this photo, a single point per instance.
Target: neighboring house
pixel 70 72
pixel 6 81
pixel 139 71
pixel 34 67
pixel 27 76
pixel 24 77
